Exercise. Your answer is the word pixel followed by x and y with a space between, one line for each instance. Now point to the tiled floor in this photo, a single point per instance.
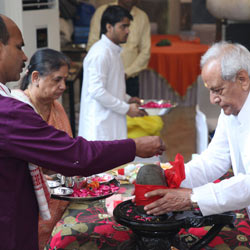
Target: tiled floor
pixel 179 132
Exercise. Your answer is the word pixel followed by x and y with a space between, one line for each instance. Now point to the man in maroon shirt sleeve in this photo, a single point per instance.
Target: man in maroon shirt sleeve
pixel 25 137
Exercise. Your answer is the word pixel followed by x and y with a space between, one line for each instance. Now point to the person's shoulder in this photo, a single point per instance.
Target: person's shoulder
pixel 99 48
pixel 12 105
pixel 95 50
pixel 7 100
pixel 102 8
pixel 140 12
pixel 19 94
pixel 98 53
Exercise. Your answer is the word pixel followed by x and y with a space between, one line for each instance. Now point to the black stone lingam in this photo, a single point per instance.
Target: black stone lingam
pixel 161 232
pixel 150 175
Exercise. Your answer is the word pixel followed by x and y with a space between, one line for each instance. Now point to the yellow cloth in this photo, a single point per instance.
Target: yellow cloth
pixel 136 51
pixel 143 126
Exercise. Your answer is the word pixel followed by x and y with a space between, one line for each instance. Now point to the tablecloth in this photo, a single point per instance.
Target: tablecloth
pixel 89 226
pixel 179 63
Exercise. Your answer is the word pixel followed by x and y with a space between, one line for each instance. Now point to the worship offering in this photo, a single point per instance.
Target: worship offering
pixel 102 177
pixel 128 173
pixel 152 104
pixel 151 177
pixel 94 187
pixel 157 107
pixel 162 231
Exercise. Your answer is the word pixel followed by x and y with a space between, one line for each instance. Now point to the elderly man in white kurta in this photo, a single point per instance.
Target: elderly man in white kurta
pixel 104 102
pixel 225 72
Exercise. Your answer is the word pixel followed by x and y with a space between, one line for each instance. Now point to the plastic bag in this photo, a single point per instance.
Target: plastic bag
pixel 143 126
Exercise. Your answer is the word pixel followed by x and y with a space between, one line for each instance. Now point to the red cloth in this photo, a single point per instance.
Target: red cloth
pixel 174 177
pixel 140 190
pixel 176 174
pixel 179 63
pixel 121 171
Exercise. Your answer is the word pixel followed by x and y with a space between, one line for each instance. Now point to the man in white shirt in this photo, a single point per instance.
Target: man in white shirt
pixel 104 102
pixel 136 51
pixel 225 72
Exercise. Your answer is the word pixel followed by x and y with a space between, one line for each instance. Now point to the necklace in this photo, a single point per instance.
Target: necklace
pixel 45 115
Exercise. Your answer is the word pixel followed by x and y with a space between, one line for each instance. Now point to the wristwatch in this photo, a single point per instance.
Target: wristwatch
pixel 194 201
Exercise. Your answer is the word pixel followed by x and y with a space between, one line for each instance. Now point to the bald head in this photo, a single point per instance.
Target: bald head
pixel 4 34
pixel 232 57
pixel 225 72
pixel 12 57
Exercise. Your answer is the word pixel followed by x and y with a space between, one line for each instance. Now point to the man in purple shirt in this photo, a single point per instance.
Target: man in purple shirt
pixel 25 137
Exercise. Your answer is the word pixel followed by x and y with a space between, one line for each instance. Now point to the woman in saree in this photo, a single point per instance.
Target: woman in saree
pixel 41 86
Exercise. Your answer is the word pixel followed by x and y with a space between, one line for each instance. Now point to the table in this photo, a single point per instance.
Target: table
pixel 179 63
pixel 172 71
pixel 88 226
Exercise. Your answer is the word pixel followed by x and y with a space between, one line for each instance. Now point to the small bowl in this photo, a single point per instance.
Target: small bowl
pixel 53 184
pixel 157 111
pixel 62 191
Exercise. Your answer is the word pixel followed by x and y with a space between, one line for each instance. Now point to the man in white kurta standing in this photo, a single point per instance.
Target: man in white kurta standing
pixel 104 102
pixel 136 51
pixel 225 72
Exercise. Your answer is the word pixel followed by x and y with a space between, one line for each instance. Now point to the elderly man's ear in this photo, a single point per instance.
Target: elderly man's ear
pixel 243 77
pixel 35 78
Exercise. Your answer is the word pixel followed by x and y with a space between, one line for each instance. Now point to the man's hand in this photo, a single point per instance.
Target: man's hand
pixel 148 146
pixel 135 111
pixel 173 199
pixel 135 100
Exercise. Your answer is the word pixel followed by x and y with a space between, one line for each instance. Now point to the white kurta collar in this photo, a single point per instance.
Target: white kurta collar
pixel 244 112
pixel 110 44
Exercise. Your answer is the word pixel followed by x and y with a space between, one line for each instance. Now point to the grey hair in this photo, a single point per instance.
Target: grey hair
pixel 233 58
